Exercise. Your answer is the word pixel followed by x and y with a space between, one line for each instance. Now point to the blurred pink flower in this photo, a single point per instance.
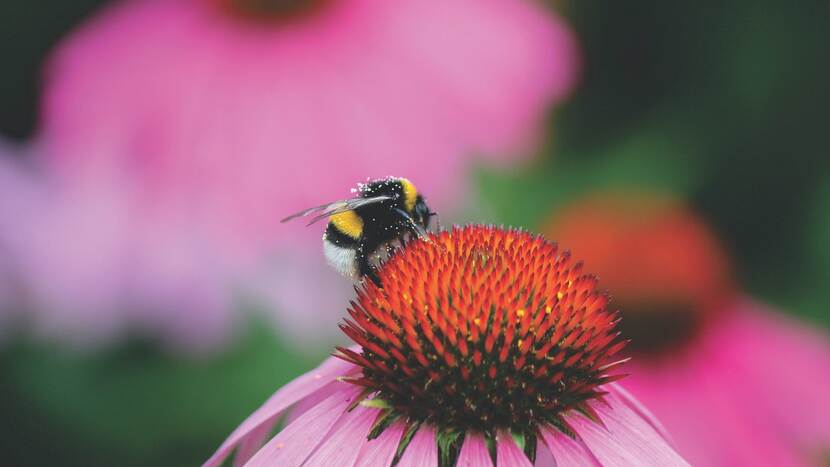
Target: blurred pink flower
pixel 734 383
pixel 751 390
pixel 17 193
pixel 176 133
pixel 238 122
pixel 92 271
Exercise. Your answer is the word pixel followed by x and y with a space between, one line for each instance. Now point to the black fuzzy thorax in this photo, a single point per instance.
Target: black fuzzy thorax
pixel 383 224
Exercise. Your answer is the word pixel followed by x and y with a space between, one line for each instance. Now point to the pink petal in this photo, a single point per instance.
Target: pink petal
pixel 307 403
pixel 626 440
pixel 642 411
pixel 291 393
pixel 381 450
pixel 292 446
pixel 474 452
pixel 508 453
pixel 346 440
pixel 251 443
pixel 422 450
pixel 567 451
pixel 544 458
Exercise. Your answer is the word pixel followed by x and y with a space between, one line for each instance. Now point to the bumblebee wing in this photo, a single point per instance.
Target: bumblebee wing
pixel 347 205
pixel 336 207
pixel 306 212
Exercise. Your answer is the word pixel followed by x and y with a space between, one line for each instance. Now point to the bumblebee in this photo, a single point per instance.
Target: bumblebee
pixel 362 228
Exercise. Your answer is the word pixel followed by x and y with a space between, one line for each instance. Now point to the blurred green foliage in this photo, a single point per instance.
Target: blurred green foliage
pixel 814 297
pixel 647 160
pixel 136 405
pixel 28 31
pixel 722 103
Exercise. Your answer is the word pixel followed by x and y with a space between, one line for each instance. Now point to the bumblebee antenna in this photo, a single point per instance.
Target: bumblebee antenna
pixel 417 229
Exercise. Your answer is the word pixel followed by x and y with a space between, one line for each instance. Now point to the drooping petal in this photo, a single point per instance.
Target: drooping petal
pixel 347 438
pixel 294 444
pixel 474 452
pixel 422 450
pixel 567 451
pixel 381 450
pixel 626 439
pixel 642 411
pixel 252 442
pixel 544 458
pixel 508 453
pixel 294 391
pixel 308 402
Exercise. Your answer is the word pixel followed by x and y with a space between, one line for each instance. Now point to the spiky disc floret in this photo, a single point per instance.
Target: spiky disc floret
pixel 482 328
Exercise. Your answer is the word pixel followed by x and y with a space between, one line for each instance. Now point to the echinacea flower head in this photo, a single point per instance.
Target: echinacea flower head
pixel 704 355
pixel 177 133
pixel 482 346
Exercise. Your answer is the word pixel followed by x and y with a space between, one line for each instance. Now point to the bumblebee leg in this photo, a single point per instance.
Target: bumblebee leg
pixel 374 276
pixel 407 224
pixel 364 267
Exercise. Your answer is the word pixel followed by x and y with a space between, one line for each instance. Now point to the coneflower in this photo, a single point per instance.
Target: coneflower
pixel 484 346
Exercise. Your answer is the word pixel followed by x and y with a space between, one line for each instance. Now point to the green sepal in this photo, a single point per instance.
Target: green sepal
pixel 359 399
pixel 410 431
pixel 449 446
pixel 564 427
pixel 531 442
pixel 519 439
pixel 490 441
pixel 382 422
pixel 590 413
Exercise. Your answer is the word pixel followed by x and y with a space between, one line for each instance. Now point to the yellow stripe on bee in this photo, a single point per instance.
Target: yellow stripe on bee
pixel 348 223
pixel 409 194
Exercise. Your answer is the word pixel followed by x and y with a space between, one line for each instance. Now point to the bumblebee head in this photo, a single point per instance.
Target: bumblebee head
pixel 421 213
pixel 414 203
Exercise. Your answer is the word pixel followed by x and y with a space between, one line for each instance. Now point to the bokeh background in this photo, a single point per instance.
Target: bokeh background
pixel 722 106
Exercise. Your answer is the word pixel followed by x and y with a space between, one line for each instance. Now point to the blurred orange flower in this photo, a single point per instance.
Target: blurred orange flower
pixel 734 383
